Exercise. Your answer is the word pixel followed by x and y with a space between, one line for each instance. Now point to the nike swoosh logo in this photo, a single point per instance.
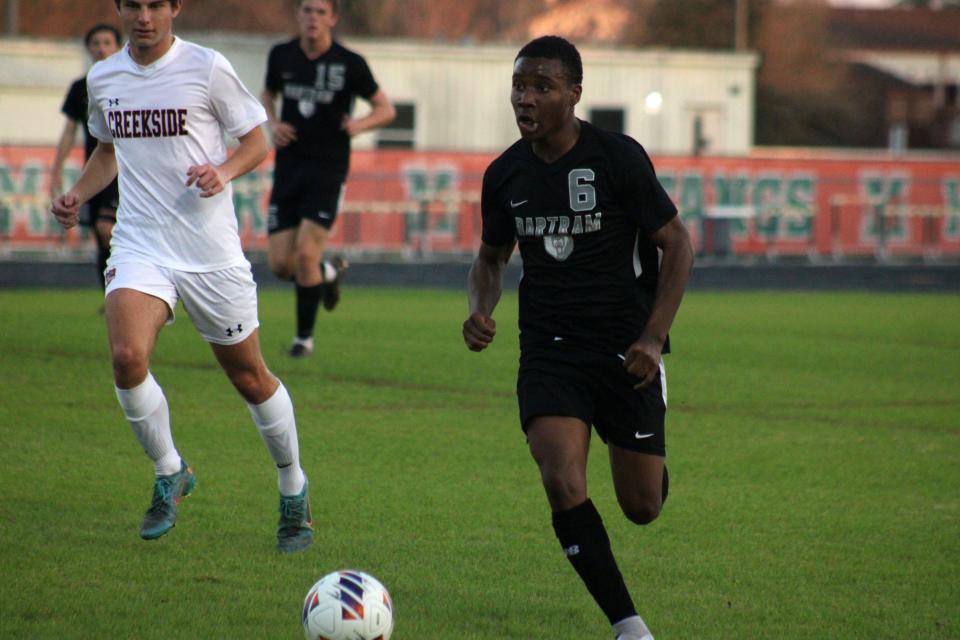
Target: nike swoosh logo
pixel 514 205
pixel 641 436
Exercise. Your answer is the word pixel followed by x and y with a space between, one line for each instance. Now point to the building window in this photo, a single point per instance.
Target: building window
pixel 399 134
pixel 610 119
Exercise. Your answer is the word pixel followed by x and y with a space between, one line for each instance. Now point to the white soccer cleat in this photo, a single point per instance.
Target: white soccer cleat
pixel 632 628
pixel 301 348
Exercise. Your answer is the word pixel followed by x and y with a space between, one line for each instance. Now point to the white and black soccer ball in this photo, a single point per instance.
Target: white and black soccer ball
pixel 347 605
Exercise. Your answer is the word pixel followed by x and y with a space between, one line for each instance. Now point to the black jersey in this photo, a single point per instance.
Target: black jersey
pixel 583 224
pixel 317 94
pixel 75 108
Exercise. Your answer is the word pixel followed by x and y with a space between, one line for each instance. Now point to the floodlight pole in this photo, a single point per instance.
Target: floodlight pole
pixel 741 26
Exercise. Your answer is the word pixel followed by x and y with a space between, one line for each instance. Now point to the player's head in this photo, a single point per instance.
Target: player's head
pixel 555 48
pixel 317 18
pixel 148 23
pixel 547 76
pixel 102 41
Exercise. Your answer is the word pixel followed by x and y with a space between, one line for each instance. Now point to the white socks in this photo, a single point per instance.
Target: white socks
pixel 148 414
pixel 146 409
pixel 632 628
pixel 275 421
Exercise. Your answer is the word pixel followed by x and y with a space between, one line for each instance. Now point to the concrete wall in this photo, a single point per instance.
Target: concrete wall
pixel 34 77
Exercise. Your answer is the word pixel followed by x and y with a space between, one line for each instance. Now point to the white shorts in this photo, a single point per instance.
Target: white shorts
pixel 221 304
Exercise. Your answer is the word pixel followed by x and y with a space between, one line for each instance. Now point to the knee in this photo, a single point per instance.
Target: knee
pixel 129 365
pixel 246 382
pixel 564 490
pixel 307 262
pixel 641 511
pixel 255 386
pixel 280 267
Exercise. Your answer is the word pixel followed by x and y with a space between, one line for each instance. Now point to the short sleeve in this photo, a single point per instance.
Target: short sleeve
pixel 498 226
pixel 75 102
pixel 234 106
pixel 274 81
pixel 362 82
pixel 642 193
pixel 96 121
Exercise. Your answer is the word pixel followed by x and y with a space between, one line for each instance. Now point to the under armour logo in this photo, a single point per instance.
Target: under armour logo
pixel 231 330
pixel 572 550
pixel 113 102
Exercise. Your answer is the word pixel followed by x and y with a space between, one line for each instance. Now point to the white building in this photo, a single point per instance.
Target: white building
pixel 450 97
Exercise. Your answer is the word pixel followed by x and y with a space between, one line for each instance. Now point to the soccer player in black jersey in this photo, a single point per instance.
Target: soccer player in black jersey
pixel 605 264
pixel 100 212
pixel 318 80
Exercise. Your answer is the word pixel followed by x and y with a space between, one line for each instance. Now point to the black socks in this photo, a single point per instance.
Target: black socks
pixel 585 542
pixel 308 300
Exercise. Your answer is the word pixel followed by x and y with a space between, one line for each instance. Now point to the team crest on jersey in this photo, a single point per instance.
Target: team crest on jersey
pixel 306 107
pixel 560 247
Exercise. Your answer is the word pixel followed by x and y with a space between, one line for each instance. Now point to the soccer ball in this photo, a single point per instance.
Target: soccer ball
pixel 347 605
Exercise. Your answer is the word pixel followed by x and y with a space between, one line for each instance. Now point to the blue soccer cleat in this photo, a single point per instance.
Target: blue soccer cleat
pixel 295 529
pixel 167 493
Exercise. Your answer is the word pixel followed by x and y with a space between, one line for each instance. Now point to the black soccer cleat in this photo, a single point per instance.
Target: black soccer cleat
pixel 331 290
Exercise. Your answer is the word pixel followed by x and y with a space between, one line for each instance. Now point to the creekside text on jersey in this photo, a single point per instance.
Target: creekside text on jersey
pixel 147 123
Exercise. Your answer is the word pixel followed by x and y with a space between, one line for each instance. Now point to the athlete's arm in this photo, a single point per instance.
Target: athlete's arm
pixel 99 171
pixel 642 359
pixel 484 286
pixel 249 153
pixel 67 137
pixel 282 133
pixel 381 114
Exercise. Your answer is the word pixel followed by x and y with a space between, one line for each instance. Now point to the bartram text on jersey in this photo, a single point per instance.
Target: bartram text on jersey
pixel 550 225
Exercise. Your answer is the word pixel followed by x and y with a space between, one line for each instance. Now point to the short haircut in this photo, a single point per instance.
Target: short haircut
pixel 94 30
pixel 334 4
pixel 173 3
pixel 555 48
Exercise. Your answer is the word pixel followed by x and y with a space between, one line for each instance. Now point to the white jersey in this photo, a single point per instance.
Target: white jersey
pixel 162 119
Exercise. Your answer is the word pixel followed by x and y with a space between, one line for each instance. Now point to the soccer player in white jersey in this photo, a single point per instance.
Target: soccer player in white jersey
pixel 159 109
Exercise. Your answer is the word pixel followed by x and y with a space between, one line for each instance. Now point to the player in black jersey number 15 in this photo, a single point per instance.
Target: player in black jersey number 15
pixel 316 80
pixel 605 264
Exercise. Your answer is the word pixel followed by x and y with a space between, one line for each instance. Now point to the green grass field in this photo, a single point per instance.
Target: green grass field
pixel 814 451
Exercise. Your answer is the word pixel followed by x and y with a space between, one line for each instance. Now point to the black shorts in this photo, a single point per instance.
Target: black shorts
pixel 93 210
pixel 561 380
pixel 303 189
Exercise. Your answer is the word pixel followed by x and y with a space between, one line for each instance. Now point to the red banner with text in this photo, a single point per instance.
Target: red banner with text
pixel 413 204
